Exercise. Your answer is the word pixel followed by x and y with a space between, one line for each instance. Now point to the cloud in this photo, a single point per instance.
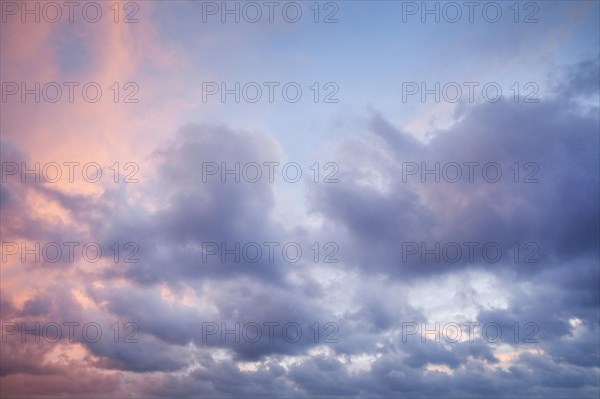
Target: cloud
pixel 170 294
pixel 553 146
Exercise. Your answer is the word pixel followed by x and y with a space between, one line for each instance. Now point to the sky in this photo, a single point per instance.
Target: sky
pixel 239 199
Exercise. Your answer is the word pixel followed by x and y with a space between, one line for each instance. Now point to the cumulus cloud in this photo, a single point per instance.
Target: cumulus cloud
pixel 368 296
